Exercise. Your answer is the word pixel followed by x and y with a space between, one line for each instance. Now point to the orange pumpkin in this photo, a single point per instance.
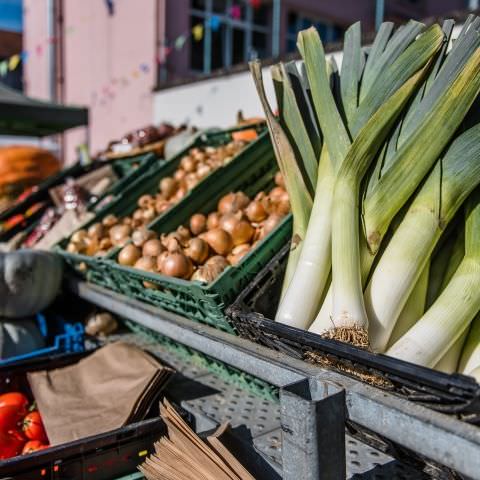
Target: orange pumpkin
pixel 25 165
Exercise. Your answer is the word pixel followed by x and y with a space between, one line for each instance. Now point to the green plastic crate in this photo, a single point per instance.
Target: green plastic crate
pixel 229 374
pixel 124 203
pixel 202 302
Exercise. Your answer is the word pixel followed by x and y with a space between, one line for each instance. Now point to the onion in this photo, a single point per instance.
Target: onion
pixel 118 234
pixel 279 181
pixel 203 170
pixel 219 240
pixel 129 255
pixel 242 232
pixel 145 201
pixel 210 271
pixel 197 250
pixel 199 156
pixel 152 248
pixel 162 206
pixel 233 202
pixel 73 248
pixel 79 236
pixel 161 258
pixel 238 253
pixel 188 164
pixel 173 243
pixel 213 220
pixel 191 180
pixel 149 214
pixel 269 224
pixel 198 223
pixel 141 235
pixel 276 193
pixel 96 230
pixel 184 234
pixel 229 221
pixel 105 244
pixel 177 265
pixel 219 260
pixel 110 221
pixel 149 264
pixel 168 186
pixel 127 221
pixel 256 212
pixel 179 194
pixel 179 175
pixel 138 214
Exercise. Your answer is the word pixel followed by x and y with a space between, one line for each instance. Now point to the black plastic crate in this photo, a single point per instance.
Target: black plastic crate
pixel 250 316
pixel 104 456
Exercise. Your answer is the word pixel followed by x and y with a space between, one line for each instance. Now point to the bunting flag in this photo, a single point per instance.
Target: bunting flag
pixel 197 32
pixel 214 22
pixel 13 62
pixel 180 42
pixel 3 68
pixel 236 12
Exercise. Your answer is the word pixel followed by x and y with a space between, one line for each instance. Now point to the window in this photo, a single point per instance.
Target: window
pixel 296 22
pixel 228 39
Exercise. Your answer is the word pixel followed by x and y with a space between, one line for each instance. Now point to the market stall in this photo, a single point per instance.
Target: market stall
pixel 324 261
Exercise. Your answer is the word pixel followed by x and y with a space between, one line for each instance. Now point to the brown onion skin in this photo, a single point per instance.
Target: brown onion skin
pixel 219 240
pixel 197 250
pixel 142 235
pixel 213 220
pixel 279 180
pixel 229 221
pixel 198 223
pixel 255 211
pixel 152 248
pixel 96 230
pixel 232 202
pixel 148 264
pixel 110 220
pixel 242 232
pixel 129 255
pixel 168 186
pixel 177 265
pixel 270 223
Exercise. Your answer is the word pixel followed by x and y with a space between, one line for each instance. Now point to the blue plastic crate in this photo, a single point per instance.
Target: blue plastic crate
pixel 60 337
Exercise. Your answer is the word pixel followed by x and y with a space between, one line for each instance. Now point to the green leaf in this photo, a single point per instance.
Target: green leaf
pixel 331 123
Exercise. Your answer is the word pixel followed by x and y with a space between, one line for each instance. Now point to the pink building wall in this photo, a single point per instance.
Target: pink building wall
pixel 101 64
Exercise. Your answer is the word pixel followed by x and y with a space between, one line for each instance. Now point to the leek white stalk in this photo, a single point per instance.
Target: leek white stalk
pixel 313 267
pixel 413 309
pixel 348 305
pixel 449 362
pixel 452 180
pixel 450 316
pixel 470 359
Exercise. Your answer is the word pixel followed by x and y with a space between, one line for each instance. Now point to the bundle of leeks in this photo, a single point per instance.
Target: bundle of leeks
pixel 382 161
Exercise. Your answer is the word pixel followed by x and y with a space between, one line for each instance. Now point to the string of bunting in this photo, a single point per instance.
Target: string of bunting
pixel 196 32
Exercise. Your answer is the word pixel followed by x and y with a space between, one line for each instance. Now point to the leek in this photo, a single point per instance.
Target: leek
pixel 300 199
pixel 446 188
pixel 470 359
pixel 445 321
pixel 314 264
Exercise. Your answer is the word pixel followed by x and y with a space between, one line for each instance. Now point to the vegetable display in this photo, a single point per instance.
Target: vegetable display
pixel 21 426
pixel 379 159
pixel 99 238
pixel 209 243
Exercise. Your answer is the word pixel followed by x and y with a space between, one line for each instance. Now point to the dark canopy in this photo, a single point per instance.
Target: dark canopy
pixel 21 115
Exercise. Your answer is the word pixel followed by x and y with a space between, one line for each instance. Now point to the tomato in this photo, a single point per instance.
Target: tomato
pixel 34 446
pixel 10 445
pixel 10 417
pixel 33 427
pixel 16 399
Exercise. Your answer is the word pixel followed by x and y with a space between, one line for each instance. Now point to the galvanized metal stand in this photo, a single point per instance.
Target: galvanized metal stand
pixel 314 402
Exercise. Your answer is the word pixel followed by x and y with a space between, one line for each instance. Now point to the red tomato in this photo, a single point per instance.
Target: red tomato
pixel 10 445
pixel 33 427
pixel 16 399
pixel 33 446
pixel 10 417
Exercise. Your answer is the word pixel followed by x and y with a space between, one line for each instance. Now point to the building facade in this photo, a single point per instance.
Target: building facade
pixel 118 57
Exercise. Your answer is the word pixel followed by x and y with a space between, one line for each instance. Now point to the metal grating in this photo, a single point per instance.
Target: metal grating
pixel 212 401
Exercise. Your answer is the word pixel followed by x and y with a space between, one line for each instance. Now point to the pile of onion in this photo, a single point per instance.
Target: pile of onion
pixel 202 249
pixel 194 166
